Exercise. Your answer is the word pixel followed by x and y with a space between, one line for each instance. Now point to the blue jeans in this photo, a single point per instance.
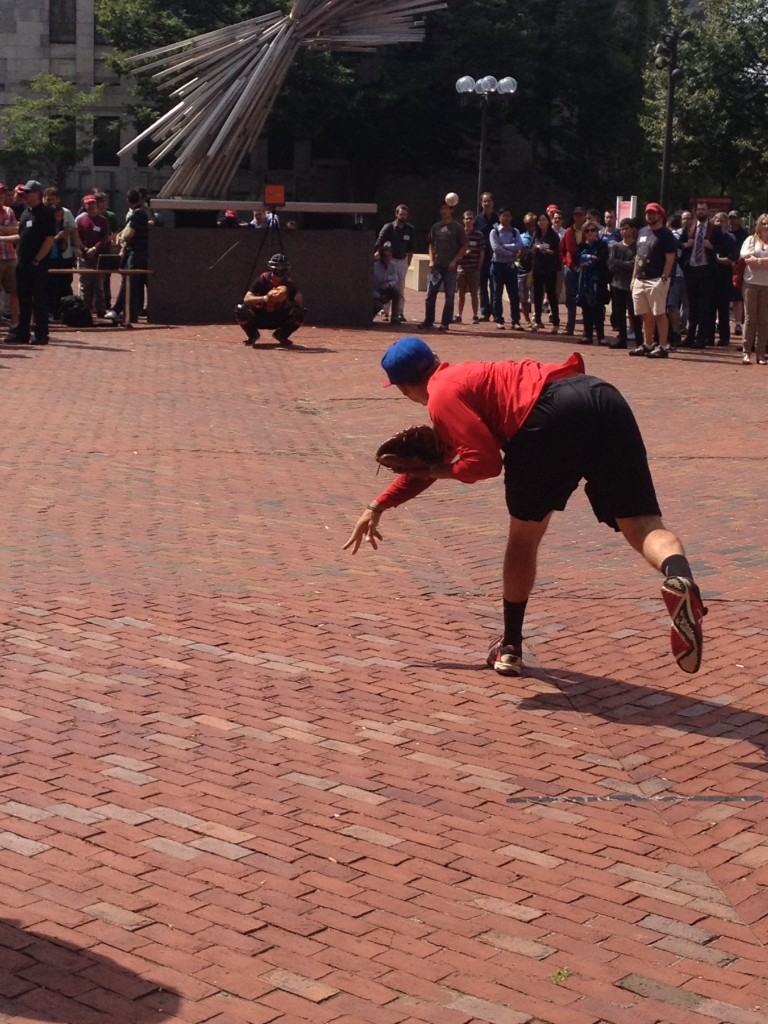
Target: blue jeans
pixel 504 275
pixel 446 278
pixel 485 286
pixel 571 282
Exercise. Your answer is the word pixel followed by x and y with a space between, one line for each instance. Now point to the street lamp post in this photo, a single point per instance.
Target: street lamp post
pixel 666 54
pixel 483 87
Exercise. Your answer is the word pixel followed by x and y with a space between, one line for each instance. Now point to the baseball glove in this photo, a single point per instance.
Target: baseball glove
pixel 276 297
pixel 410 449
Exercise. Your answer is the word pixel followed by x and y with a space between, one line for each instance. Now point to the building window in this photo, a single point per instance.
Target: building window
pixel 62 20
pixel 106 141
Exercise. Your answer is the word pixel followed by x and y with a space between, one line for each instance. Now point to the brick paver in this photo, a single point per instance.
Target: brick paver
pixel 249 778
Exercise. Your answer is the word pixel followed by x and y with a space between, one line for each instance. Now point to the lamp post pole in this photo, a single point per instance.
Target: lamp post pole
pixel 483 87
pixel 666 54
pixel 481 153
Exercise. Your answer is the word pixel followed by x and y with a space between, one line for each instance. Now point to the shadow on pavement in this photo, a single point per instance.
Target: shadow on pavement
pixel 296 347
pixel 84 346
pixel 45 979
pixel 617 701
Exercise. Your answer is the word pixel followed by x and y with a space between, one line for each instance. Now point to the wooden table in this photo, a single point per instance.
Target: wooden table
pixel 122 272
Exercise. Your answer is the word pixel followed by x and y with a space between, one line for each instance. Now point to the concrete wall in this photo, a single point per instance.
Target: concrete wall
pixel 200 274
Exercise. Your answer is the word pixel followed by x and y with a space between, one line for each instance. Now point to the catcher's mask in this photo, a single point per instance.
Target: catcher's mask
pixel 278 263
pixel 407 360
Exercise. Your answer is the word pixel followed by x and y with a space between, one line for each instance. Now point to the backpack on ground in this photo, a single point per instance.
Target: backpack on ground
pixel 74 312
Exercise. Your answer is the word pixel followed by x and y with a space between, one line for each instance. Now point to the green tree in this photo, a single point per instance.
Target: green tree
pixel 581 87
pixel 579 64
pixel 47 133
pixel 721 105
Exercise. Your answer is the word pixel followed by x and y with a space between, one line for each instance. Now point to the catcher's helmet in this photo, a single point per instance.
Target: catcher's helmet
pixel 279 262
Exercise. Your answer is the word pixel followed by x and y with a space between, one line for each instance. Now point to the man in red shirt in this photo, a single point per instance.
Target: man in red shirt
pixel 95 236
pixel 548 426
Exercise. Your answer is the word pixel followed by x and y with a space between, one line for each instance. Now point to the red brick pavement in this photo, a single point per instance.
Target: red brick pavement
pixel 249 778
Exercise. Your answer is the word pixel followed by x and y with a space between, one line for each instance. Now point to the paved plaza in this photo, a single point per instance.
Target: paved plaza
pixel 251 779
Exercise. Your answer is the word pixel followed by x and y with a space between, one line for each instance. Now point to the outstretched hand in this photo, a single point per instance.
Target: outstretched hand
pixel 366 528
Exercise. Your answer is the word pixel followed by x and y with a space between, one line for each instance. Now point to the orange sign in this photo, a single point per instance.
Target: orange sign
pixel 274 195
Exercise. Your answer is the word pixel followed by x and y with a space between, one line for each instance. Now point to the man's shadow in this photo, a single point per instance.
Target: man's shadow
pixel 45 979
pixel 614 700
pixel 265 346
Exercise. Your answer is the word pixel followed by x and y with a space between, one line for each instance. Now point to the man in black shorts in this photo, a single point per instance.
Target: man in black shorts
pixel 548 426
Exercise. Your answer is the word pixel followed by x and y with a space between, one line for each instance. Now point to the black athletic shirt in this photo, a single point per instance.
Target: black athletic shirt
pixel 36 224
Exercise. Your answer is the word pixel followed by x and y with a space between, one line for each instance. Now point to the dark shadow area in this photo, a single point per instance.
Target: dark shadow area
pixel 84 346
pixel 460 666
pixel 295 347
pixel 44 979
pixel 628 704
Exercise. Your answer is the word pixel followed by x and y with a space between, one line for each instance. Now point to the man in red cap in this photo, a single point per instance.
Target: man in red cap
pixel 93 229
pixel 654 263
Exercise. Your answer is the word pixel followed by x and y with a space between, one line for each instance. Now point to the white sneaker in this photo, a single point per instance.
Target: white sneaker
pixel 745 357
pixel 112 315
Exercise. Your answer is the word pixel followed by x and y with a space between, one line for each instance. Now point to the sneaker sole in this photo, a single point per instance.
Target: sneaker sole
pixel 685 634
pixel 506 668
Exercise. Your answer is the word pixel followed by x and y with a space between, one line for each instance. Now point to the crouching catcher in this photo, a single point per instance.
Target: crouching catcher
pixel 273 301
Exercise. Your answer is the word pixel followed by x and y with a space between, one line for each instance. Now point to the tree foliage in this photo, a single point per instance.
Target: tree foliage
pixel 586 123
pixel 721 106
pixel 46 133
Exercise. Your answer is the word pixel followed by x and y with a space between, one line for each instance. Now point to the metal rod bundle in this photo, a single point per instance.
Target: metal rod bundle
pixel 225 82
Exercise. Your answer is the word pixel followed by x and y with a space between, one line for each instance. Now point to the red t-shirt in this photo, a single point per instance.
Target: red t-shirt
pixel 475 409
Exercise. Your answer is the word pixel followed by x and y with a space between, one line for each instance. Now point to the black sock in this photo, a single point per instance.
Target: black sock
pixel 676 565
pixel 514 613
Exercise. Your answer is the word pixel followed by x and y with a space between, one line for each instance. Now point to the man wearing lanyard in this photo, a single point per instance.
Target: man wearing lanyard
pixel 37 229
pixel 402 239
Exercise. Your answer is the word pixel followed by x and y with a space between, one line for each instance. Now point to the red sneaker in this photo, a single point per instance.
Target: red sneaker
pixel 685 609
pixel 506 659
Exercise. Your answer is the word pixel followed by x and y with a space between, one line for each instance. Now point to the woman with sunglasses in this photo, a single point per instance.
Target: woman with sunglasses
pixel 755 288
pixel 591 261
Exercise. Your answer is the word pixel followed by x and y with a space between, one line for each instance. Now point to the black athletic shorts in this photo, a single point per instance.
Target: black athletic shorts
pixel 580 428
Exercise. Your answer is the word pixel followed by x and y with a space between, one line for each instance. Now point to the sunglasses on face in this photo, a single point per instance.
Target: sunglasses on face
pixel 590 231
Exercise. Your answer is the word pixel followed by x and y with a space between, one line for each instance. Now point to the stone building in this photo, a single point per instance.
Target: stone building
pixel 58 37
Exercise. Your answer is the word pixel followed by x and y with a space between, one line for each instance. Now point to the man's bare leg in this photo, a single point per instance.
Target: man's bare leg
pixel 648 536
pixel 664 551
pixel 520 557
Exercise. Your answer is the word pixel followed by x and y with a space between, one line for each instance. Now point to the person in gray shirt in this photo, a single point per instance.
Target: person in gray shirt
pixel 447 243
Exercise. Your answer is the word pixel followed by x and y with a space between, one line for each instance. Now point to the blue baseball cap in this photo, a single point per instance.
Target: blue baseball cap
pixel 407 360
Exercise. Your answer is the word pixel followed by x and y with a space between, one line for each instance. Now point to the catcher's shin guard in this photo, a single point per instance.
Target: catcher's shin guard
pixel 294 318
pixel 245 317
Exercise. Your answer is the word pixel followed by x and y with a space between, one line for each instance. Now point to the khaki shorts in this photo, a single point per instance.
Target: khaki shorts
pixel 650 296
pixel 8 276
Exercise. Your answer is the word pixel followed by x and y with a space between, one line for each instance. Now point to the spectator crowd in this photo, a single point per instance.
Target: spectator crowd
pixel 649 285
pixel 44 245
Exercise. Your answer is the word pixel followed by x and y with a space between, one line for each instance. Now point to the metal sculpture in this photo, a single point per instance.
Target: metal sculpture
pixel 227 81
